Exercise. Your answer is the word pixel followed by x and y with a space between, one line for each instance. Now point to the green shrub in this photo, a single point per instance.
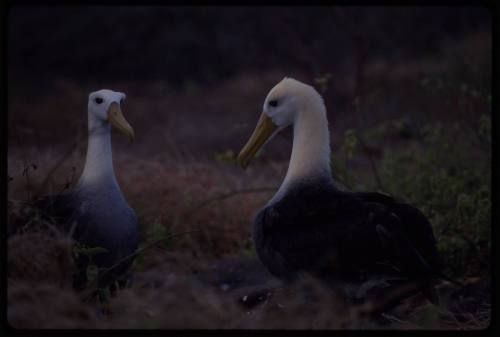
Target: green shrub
pixel 449 180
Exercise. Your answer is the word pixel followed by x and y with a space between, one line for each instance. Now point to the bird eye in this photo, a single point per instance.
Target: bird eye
pixel 273 103
pixel 98 100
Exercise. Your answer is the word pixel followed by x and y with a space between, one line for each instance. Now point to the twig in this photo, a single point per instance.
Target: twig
pixel 337 178
pixel 223 196
pixel 397 320
pixel 69 181
pixel 22 148
pixel 26 173
pixel 372 163
pixel 130 256
pixel 45 182
pixel 391 298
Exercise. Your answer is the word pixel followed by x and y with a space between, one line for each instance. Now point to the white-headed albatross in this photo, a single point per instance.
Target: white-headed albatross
pixel 96 210
pixel 311 226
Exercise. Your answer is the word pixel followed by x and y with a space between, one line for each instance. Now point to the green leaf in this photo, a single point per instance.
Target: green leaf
pixel 227 157
pixel 350 142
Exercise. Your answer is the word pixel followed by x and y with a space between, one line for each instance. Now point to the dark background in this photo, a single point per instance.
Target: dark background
pixel 208 44
pixel 188 66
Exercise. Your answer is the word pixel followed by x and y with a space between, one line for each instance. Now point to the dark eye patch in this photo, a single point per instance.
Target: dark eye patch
pixel 273 103
pixel 98 100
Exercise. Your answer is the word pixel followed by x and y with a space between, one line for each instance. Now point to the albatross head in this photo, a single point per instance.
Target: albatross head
pixel 105 108
pixel 284 105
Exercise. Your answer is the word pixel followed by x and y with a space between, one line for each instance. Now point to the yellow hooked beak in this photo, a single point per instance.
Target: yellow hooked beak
pixel 115 117
pixel 264 129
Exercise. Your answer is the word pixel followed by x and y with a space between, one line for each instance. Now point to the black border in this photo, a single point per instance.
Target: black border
pixel 492 5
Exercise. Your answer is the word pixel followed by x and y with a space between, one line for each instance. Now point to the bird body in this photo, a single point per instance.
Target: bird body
pixel 96 221
pixel 310 225
pixel 319 229
pixel 95 212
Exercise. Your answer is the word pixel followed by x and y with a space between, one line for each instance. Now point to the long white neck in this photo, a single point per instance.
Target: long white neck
pixel 98 170
pixel 310 157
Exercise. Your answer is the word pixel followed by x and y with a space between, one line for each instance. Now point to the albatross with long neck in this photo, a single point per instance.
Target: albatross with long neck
pixel 288 105
pixel 310 225
pixel 95 211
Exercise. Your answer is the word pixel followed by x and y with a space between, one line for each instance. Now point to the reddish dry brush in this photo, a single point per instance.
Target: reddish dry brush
pixel 180 303
pixel 39 305
pixel 171 285
pixel 41 265
pixel 204 199
pixel 39 291
pixel 40 257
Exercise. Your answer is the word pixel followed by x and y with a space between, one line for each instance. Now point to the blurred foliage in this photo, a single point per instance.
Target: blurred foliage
pixel 227 157
pixel 447 181
pixel 322 81
pixel 427 317
pixel 350 142
pixel 250 251
pixel 443 173
pixel 157 235
pixel 160 233
pixel 394 128
pixel 87 251
pixel 440 165
pixel 209 43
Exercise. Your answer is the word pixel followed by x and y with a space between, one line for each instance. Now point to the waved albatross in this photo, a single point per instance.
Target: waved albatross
pixel 311 226
pixel 95 211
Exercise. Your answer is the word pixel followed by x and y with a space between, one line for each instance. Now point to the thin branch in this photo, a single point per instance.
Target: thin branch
pixel 94 283
pixel 54 168
pixel 209 201
pixel 391 298
pixel 372 163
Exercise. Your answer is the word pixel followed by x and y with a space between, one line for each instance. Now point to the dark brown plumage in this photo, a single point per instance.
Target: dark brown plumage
pixel 333 234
